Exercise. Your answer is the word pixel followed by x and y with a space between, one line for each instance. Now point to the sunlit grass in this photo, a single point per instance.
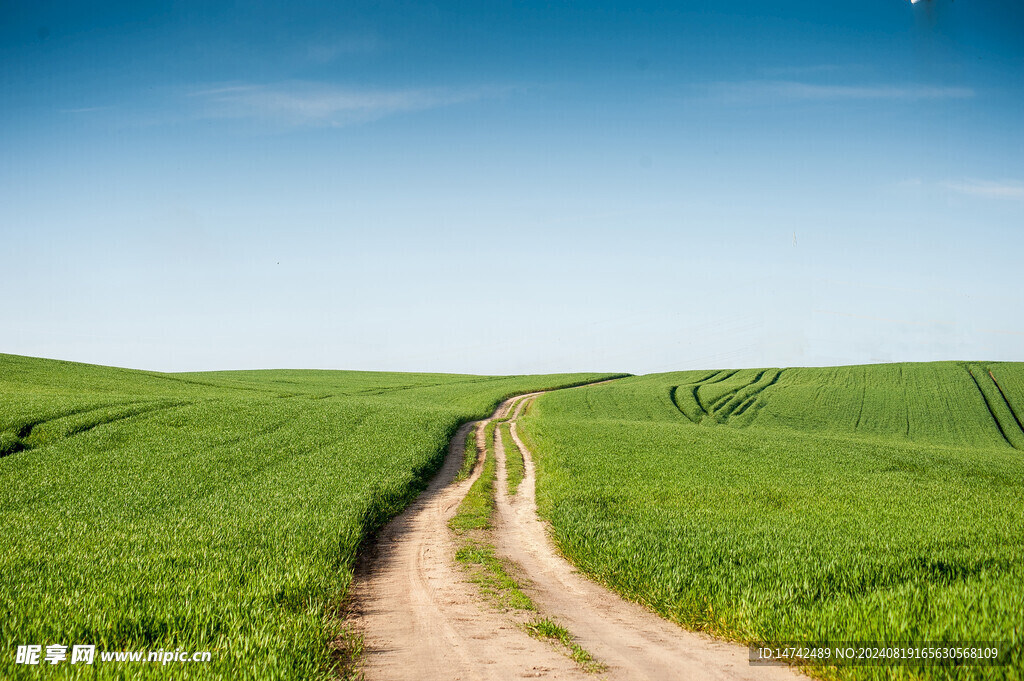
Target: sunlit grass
pixel 211 512
pixel 858 503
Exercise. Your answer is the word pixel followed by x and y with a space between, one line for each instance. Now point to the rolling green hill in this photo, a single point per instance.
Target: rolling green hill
pixel 867 503
pixel 209 511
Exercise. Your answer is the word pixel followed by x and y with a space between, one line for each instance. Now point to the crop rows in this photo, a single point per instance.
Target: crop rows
pixel 876 503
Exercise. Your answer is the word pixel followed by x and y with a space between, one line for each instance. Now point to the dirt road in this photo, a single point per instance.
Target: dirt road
pixel 422 620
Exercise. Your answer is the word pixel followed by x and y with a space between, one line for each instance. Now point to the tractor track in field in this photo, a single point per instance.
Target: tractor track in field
pixel 421 619
pixel 733 403
pixel 1009 405
pixel 26 430
pixel 991 409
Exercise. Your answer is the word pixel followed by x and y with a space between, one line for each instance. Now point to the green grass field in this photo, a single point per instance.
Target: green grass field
pixel 210 511
pixel 859 503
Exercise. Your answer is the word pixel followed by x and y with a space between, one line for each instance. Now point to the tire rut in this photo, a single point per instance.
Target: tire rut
pixel 991 410
pixel 1009 405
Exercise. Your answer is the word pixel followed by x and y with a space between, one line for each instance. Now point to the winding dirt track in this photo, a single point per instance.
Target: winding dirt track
pixel 422 620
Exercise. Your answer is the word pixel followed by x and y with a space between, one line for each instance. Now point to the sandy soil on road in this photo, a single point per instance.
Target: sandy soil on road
pixel 422 620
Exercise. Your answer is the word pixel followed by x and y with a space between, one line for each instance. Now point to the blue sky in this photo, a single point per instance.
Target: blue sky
pixel 512 187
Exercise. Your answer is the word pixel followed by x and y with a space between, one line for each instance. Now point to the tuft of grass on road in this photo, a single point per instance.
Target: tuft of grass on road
pixel 546 628
pixel 493 576
pixel 474 513
pixel 470 456
pixel 514 465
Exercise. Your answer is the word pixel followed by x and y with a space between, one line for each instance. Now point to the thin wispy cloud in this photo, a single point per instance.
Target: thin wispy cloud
pixel 85 109
pixel 802 70
pixel 759 90
pixel 328 49
pixel 1003 332
pixel 890 320
pixel 320 104
pixel 988 189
